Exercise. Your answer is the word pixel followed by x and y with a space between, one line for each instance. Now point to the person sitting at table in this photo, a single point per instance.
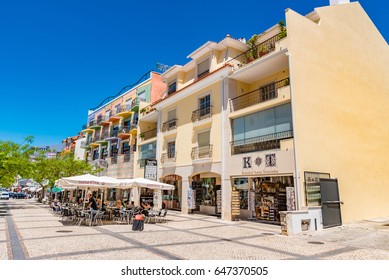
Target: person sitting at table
pixel 56 205
pixel 99 202
pixel 119 204
pixel 146 206
pixel 92 202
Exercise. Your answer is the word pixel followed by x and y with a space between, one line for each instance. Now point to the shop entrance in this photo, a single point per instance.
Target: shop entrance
pixel 271 197
pixel 208 195
pixel 172 198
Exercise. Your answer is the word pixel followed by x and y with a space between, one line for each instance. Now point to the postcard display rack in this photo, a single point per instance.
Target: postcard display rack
pixel 270 199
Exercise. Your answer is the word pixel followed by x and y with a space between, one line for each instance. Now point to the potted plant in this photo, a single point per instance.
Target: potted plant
pixel 252 52
pixel 263 49
pixel 281 26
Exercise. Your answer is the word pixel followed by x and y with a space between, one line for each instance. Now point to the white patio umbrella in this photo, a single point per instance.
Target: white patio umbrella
pixel 145 183
pixel 88 181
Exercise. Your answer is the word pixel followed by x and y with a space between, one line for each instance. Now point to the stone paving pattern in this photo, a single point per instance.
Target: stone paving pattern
pixel 42 236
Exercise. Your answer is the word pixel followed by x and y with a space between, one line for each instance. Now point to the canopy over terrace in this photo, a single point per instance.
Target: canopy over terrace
pixel 88 181
pixel 144 183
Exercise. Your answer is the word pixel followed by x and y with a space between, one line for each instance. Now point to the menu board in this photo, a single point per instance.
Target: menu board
pixel 151 169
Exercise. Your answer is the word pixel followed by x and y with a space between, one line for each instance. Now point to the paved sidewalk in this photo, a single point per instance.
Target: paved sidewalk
pixel 28 230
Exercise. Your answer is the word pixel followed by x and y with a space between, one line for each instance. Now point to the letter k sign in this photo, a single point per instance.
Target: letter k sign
pixel 247 162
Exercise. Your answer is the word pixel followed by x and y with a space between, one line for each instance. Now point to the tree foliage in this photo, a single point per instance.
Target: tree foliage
pixel 15 160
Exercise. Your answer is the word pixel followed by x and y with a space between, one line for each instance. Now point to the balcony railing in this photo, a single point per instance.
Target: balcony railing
pixel 201 152
pixel 149 134
pixel 123 108
pixel 202 114
pixel 114 160
pixel 126 157
pixel 88 141
pixel 257 51
pixel 260 143
pixel 124 129
pixel 92 123
pixel 169 125
pixel 265 93
pixel 105 134
pixel 168 157
pixel 96 138
pixel 113 133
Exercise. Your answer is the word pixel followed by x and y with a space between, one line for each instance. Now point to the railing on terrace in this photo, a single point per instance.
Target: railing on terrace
pixel 126 157
pixel 201 114
pixel 265 93
pixel 260 143
pixel 149 134
pixel 201 152
pixel 168 157
pixel 169 125
pixel 257 51
pixel 123 108
pixel 124 129
pixel 92 123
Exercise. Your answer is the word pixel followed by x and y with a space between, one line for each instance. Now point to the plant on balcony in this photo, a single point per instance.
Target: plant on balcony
pixel 143 110
pixel 281 26
pixel 142 135
pixel 252 53
pixel 263 49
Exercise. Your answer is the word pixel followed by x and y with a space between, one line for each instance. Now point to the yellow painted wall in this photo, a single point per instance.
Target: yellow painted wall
pixel 340 97
pixel 186 136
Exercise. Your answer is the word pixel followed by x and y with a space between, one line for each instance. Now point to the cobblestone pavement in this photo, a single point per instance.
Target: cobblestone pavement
pixel 29 230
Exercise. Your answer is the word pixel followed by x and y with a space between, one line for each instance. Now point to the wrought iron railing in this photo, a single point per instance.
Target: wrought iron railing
pixel 257 51
pixel 201 114
pixel 264 93
pixel 149 134
pixel 114 160
pixel 123 108
pixel 169 125
pixel 168 157
pixel 92 123
pixel 201 152
pixel 88 141
pixel 260 143
pixel 105 134
pixel 96 138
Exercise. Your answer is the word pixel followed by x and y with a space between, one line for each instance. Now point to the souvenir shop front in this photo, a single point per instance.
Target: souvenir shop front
pixel 207 187
pixel 265 184
pixel 172 198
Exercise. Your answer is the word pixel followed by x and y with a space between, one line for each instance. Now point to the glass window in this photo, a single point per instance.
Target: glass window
pixel 142 96
pixel 242 185
pixel 171 115
pixel 172 87
pixel 171 149
pixel 148 151
pixel 273 120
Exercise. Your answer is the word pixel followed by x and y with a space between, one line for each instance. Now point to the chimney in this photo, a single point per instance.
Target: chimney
pixel 337 2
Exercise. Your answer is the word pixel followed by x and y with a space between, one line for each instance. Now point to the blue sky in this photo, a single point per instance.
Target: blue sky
pixel 60 58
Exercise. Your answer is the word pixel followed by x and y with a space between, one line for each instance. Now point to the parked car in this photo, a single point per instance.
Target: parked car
pixel 4 195
pixel 19 195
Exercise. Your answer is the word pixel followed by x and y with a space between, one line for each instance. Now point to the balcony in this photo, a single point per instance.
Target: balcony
pixel 152 133
pixel 105 120
pixel 124 132
pixel 124 111
pixel 94 125
pixel 126 157
pixel 202 114
pixel 169 125
pixel 114 160
pixel 135 104
pixel 133 129
pixel 260 95
pixel 260 143
pixel 168 158
pixel 113 134
pixel 203 152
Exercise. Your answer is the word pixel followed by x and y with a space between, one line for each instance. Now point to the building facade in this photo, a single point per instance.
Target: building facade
pixel 256 129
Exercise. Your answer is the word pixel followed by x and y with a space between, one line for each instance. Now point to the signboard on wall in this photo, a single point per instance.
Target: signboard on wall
pixel 151 169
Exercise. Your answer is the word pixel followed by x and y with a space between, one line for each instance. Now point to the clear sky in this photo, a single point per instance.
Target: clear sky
pixel 60 58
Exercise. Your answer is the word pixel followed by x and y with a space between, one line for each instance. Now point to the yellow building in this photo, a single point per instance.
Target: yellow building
pixel 256 129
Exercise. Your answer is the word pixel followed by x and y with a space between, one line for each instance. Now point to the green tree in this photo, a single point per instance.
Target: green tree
pixel 47 170
pixel 15 160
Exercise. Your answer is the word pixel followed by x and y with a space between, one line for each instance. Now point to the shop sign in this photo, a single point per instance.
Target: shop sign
pixel 260 164
pixel 151 169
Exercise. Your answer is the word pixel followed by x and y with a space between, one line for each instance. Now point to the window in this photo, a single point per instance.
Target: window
pixel 142 96
pixel 171 149
pixel 117 108
pixel 273 120
pixel 107 114
pixel 148 151
pixel 242 185
pixel 203 68
pixel 205 105
pixel 171 115
pixel 203 138
pixel 125 148
pixel 172 87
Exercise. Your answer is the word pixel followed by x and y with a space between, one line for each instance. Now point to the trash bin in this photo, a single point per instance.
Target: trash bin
pixel 138 223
